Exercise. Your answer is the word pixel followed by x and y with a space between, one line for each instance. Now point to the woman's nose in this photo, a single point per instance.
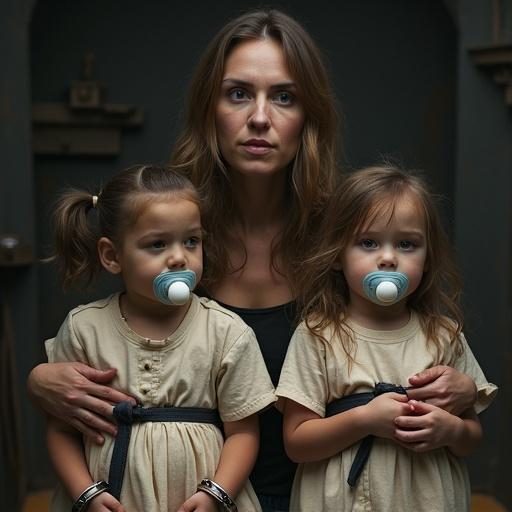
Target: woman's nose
pixel 259 117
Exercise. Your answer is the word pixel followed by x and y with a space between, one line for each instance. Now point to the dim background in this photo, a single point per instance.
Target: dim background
pixel 408 89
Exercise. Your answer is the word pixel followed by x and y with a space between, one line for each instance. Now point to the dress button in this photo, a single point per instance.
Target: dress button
pixel 145 388
pixel 147 364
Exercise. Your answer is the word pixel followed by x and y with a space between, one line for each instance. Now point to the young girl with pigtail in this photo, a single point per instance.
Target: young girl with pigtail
pixel 195 369
pixel 380 294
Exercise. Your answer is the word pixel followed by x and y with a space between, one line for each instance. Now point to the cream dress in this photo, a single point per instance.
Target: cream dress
pixel 212 360
pixel 394 479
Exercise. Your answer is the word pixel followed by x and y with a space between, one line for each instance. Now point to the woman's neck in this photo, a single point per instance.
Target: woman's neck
pixel 260 279
pixel 261 201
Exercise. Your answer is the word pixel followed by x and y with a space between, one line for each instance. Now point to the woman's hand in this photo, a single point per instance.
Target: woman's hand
pixel 77 394
pixel 199 502
pixel 444 387
pixel 104 502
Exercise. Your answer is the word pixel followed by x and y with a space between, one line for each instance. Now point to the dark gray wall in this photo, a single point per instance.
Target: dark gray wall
pixel 17 285
pixel 484 238
pixel 394 64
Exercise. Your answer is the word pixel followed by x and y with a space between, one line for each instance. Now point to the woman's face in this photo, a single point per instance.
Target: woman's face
pixel 259 118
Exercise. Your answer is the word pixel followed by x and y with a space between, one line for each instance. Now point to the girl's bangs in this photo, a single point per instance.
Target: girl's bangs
pixel 376 209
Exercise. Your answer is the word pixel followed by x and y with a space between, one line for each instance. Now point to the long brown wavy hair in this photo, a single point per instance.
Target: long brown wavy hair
pixel 312 173
pixel 81 218
pixel 359 199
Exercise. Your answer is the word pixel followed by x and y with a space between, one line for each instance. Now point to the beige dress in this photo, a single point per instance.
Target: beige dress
pixel 394 479
pixel 212 360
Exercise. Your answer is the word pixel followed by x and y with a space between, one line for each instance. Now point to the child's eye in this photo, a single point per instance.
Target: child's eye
pixel 283 98
pixel 192 242
pixel 366 243
pixel 406 245
pixel 238 95
pixel 157 244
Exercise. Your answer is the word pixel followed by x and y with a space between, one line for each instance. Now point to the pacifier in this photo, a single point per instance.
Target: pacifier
pixel 385 288
pixel 174 286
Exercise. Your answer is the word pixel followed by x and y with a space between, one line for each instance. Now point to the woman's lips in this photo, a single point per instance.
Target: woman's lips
pixel 257 146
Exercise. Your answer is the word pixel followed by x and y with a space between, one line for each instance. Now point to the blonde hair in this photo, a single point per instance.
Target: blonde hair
pixel 358 200
pixel 311 175
pixel 117 206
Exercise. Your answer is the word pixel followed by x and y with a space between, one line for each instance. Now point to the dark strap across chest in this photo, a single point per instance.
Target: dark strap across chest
pixel 126 414
pixel 350 401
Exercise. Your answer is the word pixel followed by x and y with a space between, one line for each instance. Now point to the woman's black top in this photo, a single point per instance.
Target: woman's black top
pixel 273 472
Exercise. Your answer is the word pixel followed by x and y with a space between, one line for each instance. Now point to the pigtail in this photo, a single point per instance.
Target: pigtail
pixel 75 247
pixel 123 198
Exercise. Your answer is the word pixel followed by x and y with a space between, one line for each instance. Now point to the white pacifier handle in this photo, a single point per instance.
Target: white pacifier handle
pixel 385 287
pixel 386 291
pixel 178 293
pixel 174 287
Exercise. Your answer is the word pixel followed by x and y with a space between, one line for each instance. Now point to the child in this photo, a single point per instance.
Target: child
pixel 381 303
pixel 182 357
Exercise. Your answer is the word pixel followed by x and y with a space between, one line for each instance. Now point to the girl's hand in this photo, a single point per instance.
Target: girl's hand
pixel 430 427
pixel 382 411
pixel 200 502
pixel 74 393
pixel 105 502
pixel 444 387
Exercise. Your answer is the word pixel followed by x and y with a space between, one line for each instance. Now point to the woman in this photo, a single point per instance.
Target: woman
pixel 260 144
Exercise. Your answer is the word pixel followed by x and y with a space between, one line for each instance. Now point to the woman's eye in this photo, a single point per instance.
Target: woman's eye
pixel 368 244
pixel 238 95
pixel 406 245
pixel 284 98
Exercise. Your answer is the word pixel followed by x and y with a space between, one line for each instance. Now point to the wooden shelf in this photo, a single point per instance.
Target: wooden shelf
pixel 496 61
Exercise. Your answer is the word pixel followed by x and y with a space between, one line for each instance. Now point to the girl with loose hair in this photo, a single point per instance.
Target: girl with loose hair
pixel 380 297
pixel 261 144
pixel 194 368
pixel 359 201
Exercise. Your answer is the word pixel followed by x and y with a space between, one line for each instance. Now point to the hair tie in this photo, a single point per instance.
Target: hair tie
pixel 94 201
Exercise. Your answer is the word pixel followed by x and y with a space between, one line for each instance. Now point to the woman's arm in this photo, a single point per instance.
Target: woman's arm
pixel 75 393
pixel 444 387
pixel 433 427
pixel 67 455
pixel 308 437
pixel 236 462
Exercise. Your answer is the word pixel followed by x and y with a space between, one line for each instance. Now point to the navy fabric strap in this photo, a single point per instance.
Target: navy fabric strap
pixel 126 414
pixel 349 402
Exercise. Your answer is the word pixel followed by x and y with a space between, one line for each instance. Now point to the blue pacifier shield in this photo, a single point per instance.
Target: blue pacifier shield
pixel 385 288
pixel 174 287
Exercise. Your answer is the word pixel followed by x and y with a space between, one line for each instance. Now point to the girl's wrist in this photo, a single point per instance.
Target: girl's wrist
pixel 88 494
pixel 79 485
pixel 457 431
pixel 205 496
pixel 363 420
pixel 216 492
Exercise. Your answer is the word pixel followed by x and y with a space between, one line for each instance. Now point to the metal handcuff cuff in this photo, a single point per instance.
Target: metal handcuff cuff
pixel 91 492
pixel 216 491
